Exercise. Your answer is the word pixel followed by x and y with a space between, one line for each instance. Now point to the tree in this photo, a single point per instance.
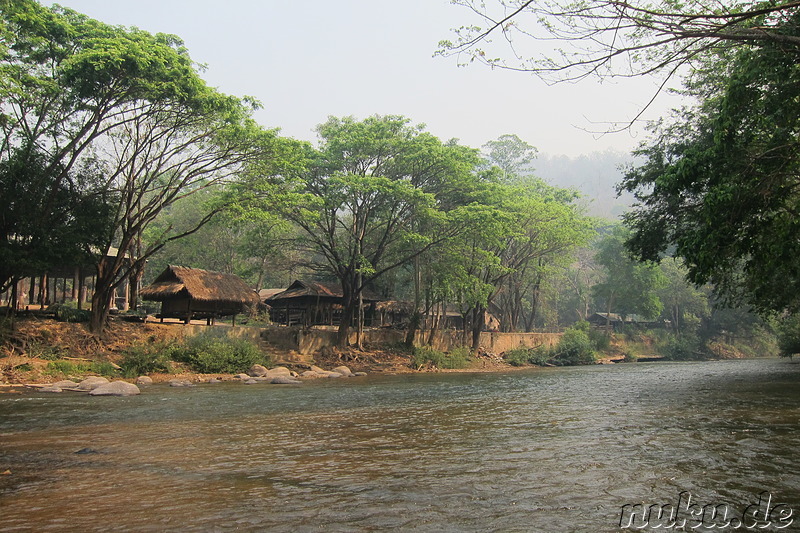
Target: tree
pixel 684 304
pixel 511 154
pixel 127 102
pixel 721 184
pixel 615 37
pixel 35 237
pixel 373 197
pixel 629 287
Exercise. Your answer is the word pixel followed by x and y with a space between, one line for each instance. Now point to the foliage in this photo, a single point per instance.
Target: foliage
pixel 511 154
pixel 789 335
pixel 426 356
pixel 148 358
pixel 574 348
pixel 372 198
pixel 629 287
pixel 719 185
pixel 118 117
pixel 684 348
pixel 68 312
pixel 211 353
pixel 518 356
pixel 78 368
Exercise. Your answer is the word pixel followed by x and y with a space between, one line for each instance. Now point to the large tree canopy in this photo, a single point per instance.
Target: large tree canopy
pixel 370 199
pixel 78 94
pixel 722 183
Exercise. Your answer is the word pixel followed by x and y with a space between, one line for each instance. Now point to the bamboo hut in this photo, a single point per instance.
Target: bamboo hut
pixel 192 293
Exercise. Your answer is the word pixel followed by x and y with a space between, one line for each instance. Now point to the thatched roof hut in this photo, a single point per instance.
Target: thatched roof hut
pixel 188 293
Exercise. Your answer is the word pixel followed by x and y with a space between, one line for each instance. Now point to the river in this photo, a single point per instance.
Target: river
pixel 542 450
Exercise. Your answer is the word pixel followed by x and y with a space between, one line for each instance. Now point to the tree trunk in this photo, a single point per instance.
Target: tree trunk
pixel 413 326
pixel 478 313
pixel 101 304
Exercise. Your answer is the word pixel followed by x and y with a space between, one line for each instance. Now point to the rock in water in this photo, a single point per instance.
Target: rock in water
pixel 284 380
pixel 91 383
pixel 144 380
pixel 115 388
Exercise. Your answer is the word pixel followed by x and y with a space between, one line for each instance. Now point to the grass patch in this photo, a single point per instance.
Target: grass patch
pixel 79 368
pixel 455 359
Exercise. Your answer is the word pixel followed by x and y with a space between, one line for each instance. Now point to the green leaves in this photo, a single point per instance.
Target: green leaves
pixel 721 184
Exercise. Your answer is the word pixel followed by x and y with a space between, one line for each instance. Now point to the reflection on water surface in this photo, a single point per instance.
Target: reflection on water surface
pixel 543 450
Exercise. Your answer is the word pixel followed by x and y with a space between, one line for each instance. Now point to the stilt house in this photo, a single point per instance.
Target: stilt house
pixel 192 293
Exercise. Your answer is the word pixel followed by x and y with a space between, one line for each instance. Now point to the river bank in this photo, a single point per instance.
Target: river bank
pixel 40 351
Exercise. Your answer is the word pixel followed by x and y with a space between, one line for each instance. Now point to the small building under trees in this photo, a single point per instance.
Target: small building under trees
pixel 192 293
pixel 311 303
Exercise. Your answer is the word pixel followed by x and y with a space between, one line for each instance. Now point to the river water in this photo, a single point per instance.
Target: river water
pixel 542 450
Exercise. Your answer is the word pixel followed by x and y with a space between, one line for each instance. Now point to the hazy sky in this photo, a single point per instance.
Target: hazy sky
pixel 307 60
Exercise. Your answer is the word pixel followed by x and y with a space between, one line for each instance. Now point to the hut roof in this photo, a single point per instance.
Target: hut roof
pixel 315 289
pixel 263 294
pixel 201 285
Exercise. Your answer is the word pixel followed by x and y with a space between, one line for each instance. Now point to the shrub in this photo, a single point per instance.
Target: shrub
pixel 427 356
pixel 148 358
pixel 684 348
pixel 574 348
pixel 210 353
pixel 630 357
pixel 68 312
pixel 518 356
pixel 600 339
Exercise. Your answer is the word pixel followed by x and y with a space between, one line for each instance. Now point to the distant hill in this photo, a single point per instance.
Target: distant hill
pixel 595 176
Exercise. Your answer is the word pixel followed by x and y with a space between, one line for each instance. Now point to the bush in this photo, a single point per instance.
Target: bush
pixel 600 339
pixel 574 348
pixel 148 358
pixel 518 356
pixel 210 353
pixel 68 312
pixel 685 348
pixel 426 356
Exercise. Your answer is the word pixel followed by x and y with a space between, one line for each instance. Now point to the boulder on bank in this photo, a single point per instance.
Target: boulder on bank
pixel 144 380
pixel 65 384
pixel 115 388
pixel 284 380
pixel 343 370
pixel 257 371
pixel 91 383
pixel 51 388
pixel 278 371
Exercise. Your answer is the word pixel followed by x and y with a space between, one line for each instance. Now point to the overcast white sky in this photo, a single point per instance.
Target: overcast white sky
pixel 307 60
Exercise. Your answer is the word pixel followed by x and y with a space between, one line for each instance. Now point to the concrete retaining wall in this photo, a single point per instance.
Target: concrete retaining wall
pixel 310 341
